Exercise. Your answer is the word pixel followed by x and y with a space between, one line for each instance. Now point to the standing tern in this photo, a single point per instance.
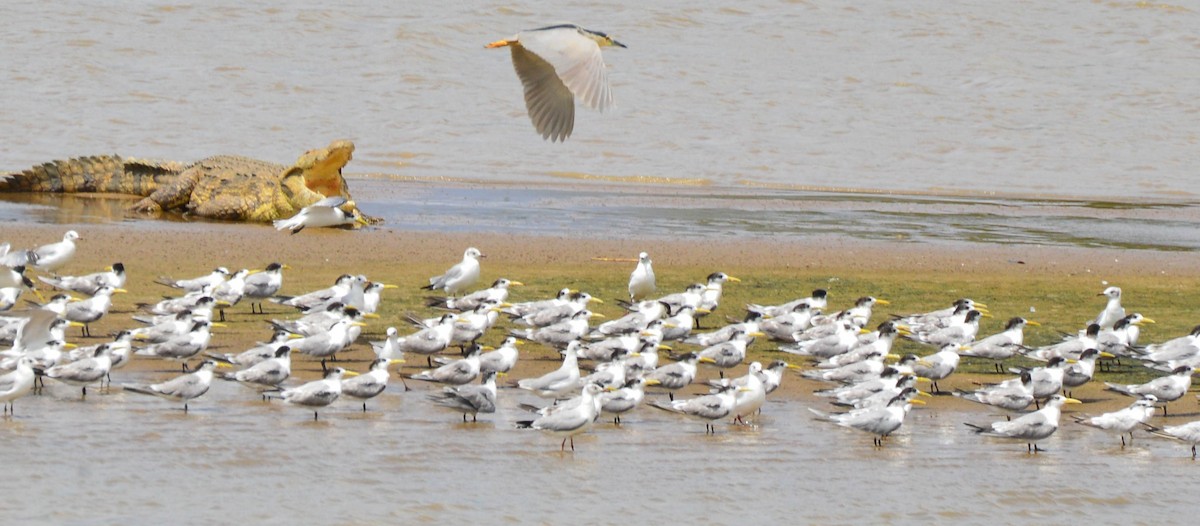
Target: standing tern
pixel 709 407
pixel 83 372
pixel 262 285
pixel 880 421
pixel 1123 421
pixel 113 276
pixel 1031 428
pixel 369 385
pixel 469 399
pixel 182 388
pixel 572 418
pixel 1166 389
pixel 317 393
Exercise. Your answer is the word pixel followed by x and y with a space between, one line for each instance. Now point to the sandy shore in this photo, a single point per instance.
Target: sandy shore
pixel 1059 284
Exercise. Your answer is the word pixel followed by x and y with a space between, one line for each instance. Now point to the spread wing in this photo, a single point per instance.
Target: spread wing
pixel 551 105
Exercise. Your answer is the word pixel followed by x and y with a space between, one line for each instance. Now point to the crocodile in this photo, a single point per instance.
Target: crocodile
pixel 226 187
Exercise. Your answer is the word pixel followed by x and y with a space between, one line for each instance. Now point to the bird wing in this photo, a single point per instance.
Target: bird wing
pixel 577 60
pixel 563 421
pixel 186 386
pixel 476 398
pixel 332 201
pixel 450 275
pixel 551 105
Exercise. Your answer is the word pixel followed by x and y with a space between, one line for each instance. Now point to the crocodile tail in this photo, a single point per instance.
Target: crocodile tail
pixel 100 173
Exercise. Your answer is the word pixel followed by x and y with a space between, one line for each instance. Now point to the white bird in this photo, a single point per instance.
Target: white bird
pixel 184 346
pixel 675 376
pixel 232 290
pixel 939 365
pixel 751 393
pixel 879 341
pixel 16 384
pixel 373 295
pixel 1032 427
pixel 1015 394
pixel 751 323
pixel 1185 347
pixel 1070 347
pixel 317 393
pixel 1122 338
pixel 263 285
pixel 679 326
pixel 171 326
pixel 210 281
pixel 551 315
pixel 1002 345
pixel 429 341
pixel 369 385
pixel 709 407
pixel 772 375
pixel 1047 379
pixel 961 334
pixel 113 276
pixel 818 300
pixel 120 351
pixel 326 344
pixel 1113 310
pixel 1166 389
pixel 560 334
pixel 728 354
pixel 498 292
pixel 572 418
pixel 641 280
pixel 183 388
pixel 880 421
pixel 888 378
pixel 1189 432
pixel 9 297
pixel 51 257
pixel 560 381
pixel 1081 372
pixel 320 299
pixel 469 399
pixel 84 372
pixel 268 373
pixel 841 341
pixel 328 212
pixel 558 64
pixel 501 360
pixel 710 299
pixel 690 298
pixel 92 309
pixel 624 399
pixel 640 317
pixel 788 326
pixel 518 310
pixel 1123 421
pixel 933 320
pixel 458 372
pixel 460 277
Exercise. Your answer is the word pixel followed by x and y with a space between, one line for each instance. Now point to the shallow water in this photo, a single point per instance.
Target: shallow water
pixel 233 458
pixel 974 97
pixel 656 211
